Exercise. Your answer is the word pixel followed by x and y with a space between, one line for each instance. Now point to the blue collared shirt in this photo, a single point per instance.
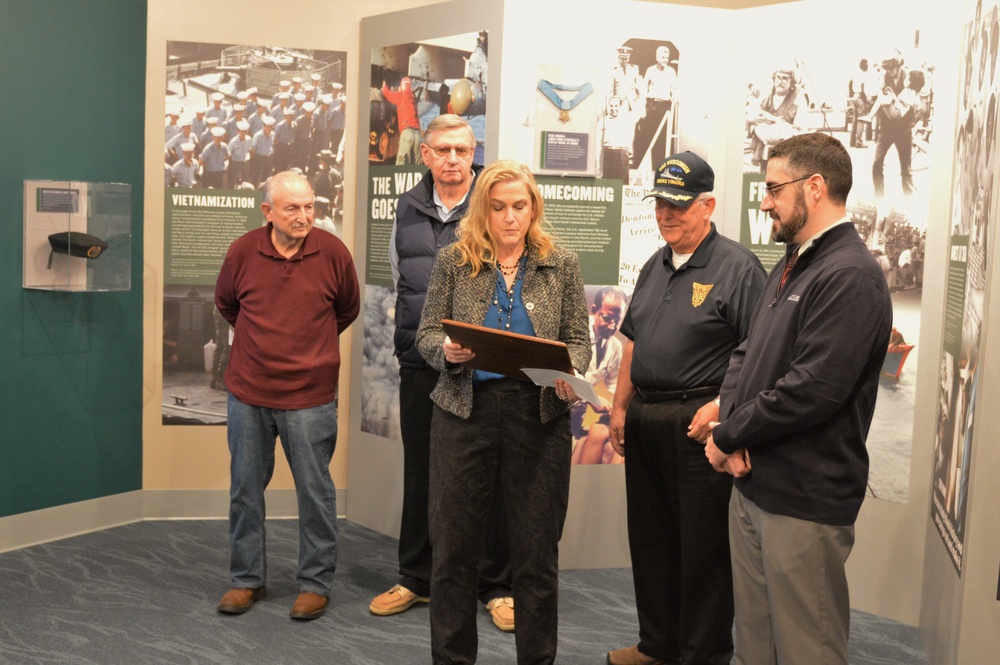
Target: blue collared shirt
pixel 239 151
pixel 262 144
pixel 284 132
pixel 214 157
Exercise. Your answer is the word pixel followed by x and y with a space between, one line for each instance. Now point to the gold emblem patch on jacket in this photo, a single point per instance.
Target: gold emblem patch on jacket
pixel 699 292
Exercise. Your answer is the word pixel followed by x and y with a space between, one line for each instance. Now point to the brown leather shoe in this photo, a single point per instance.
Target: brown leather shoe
pixel 395 600
pixel 309 606
pixel 239 601
pixel 502 611
pixel 632 656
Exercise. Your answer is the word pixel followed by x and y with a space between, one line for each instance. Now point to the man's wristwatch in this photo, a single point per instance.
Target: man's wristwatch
pixel 717 400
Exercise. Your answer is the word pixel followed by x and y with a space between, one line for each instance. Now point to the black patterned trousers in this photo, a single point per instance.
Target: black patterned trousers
pixel 503 447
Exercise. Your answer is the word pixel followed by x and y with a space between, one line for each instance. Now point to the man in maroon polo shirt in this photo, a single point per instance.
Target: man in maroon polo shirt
pixel 288 293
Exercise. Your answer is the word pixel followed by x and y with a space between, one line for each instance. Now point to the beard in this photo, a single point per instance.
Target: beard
pixel 785 230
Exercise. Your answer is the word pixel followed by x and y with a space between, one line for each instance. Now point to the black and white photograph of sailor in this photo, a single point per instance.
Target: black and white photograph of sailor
pixel 656 125
pixel 617 132
pixel 879 102
pixel 877 97
pixel 411 84
pixel 643 77
pixel 232 86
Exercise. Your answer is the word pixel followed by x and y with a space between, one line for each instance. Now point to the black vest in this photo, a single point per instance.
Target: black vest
pixel 420 234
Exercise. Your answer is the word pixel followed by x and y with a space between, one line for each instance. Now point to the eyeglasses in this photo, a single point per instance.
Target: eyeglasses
pixel 610 317
pixel 781 77
pixel 443 151
pixel 772 190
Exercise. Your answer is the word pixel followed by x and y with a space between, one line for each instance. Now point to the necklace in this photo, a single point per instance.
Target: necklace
pixel 503 290
pixel 512 268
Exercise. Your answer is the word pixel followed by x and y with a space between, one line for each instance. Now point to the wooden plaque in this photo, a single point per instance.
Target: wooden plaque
pixel 507 353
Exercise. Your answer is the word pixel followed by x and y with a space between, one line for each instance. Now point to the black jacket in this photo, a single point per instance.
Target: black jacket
pixel 420 235
pixel 800 391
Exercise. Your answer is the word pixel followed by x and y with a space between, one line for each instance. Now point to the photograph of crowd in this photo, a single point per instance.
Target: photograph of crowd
pixel 236 114
pixel 877 98
pixel 882 101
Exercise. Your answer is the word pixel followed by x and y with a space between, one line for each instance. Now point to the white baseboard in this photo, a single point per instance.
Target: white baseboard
pixel 75 519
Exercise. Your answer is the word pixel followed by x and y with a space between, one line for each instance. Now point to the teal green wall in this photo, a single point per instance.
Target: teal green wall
pixel 72 104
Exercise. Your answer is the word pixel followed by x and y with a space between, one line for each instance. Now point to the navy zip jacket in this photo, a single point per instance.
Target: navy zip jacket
pixel 800 391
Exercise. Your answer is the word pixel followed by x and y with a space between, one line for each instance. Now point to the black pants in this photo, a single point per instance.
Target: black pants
pixel 503 447
pixel 301 150
pixel 261 167
pixel 859 128
pixel 416 407
pixel 282 156
pixel 646 134
pixel 238 172
pixel 893 133
pixel 335 137
pixel 616 161
pixel 678 531
pixel 213 179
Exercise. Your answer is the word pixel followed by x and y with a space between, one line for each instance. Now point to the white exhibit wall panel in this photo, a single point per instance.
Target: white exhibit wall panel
pixel 579 43
pixel 824 50
pixel 389 43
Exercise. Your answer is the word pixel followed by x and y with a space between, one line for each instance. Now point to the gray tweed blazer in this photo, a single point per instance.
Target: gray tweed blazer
pixel 553 285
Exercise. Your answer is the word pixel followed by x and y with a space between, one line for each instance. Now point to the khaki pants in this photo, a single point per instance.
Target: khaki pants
pixel 789 586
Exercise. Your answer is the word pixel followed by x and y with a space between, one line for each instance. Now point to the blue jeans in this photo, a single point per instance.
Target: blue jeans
pixel 308 437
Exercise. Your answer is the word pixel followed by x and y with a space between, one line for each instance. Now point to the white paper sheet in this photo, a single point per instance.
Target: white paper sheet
pixel 580 385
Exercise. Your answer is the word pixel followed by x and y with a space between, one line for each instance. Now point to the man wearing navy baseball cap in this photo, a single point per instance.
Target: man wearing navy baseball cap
pixel 690 309
pixel 681 178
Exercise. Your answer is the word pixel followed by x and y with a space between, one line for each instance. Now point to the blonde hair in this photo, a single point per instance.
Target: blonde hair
pixel 474 238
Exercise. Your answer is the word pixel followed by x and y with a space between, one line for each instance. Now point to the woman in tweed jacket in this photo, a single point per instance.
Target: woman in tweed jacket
pixel 490 433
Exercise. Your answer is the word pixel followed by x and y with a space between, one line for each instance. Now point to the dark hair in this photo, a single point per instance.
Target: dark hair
pixel 917 80
pixel 822 154
pixel 606 291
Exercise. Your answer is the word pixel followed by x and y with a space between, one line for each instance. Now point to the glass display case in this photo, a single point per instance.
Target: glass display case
pixel 77 236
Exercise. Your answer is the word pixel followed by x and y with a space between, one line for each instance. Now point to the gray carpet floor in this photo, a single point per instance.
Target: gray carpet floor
pixel 146 593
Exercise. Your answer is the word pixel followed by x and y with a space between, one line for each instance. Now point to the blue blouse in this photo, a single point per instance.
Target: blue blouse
pixel 496 317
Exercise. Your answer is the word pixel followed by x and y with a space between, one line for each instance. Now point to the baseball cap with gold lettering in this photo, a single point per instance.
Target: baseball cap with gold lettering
pixel 680 178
